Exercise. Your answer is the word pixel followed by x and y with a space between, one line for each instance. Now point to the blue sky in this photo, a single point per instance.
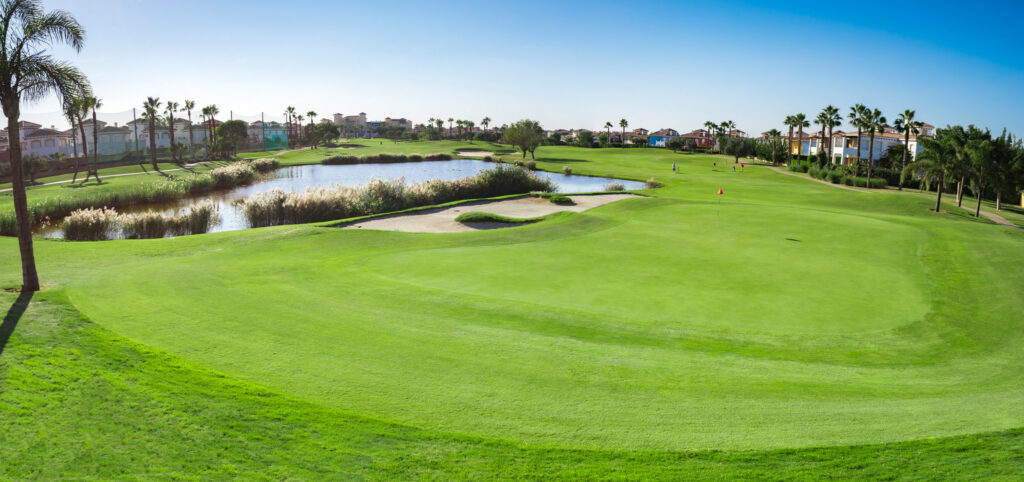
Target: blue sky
pixel 566 64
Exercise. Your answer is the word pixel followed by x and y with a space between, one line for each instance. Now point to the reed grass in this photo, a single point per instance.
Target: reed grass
pixel 614 186
pixel 92 224
pixel 320 203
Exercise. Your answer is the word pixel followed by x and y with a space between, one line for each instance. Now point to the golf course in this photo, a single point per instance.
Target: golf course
pixel 733 323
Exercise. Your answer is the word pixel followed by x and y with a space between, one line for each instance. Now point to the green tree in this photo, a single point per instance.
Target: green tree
pixel 325 132
pixel 833 119
pixel 676 143
pixel 602 139
pixel 526 135
pixel 149 110
pixel 231 134
pixel 791 123
pixel 211 121
pixel 774 141
pixel 874 122
pixel 935 162
pixel 585 139
pixel 70 108
pixel 485 122
pixel 906 125
pixel 856 116
pixel 29 73
pixel 623 123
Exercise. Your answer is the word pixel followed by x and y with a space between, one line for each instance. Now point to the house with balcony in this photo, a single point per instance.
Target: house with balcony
pixel 46 142
pixel 700 136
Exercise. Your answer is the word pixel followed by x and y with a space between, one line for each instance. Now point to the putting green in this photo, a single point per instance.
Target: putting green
pixel 793 314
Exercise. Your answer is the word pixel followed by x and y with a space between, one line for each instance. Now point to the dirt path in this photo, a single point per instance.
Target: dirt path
pixel 442 220
pixel 66 181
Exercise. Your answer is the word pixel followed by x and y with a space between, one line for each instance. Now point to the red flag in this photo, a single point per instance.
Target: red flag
pixel 719 191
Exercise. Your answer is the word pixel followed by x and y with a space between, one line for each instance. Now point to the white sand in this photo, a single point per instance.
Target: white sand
pixel 442 220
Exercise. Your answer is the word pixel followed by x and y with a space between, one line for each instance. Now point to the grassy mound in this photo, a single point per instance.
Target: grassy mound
pixel 482 217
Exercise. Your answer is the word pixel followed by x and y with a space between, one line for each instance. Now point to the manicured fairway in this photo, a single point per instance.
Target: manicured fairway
pixel 638 336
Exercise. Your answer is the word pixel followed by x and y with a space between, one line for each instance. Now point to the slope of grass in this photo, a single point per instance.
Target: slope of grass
pixel 783 329
pixel 483 217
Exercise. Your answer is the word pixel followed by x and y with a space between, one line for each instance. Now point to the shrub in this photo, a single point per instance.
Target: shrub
pixel 878 183
pixel 835 176
pixel 339 202
pixel 482 217
pixel 233 175
pixel 559 198
pixel 531 165
pixel 566 170
pixel 652 183
pixel 614 186
pixel 264 165
pixel 89 224
pixel 520 164
pixel 488 159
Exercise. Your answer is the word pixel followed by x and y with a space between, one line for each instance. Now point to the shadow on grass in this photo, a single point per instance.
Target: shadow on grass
pixel 12 317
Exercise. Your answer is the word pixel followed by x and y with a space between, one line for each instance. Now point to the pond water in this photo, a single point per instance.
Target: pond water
pixel 298 178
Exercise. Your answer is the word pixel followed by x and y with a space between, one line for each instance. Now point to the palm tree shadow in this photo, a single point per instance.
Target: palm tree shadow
pixel 12 317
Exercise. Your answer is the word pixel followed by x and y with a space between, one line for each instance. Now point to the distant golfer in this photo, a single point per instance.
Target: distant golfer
pixel 715 165
pixel 673 167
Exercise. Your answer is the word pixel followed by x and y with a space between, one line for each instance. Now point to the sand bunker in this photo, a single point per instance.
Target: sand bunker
pixel 442 220
pixel 474 153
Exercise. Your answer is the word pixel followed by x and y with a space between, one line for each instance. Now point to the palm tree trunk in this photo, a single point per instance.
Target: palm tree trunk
pixel 152 143
pixel 85 148
pixel 938 200
pixel 170 127
pixel 830 146
pixel 960 193
pixel 191 140
pixel 858 149
pixel 906 148
pixel 74 146
pixel 871 155
pixel 977 210
pixel 29 277
pixel 95 147
pixel 789 146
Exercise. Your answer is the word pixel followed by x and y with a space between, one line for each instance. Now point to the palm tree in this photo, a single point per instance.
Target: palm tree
pixel 440 124
pixel 290 116
pixel 935 161
pixel 608 130
pixel 189 105
pixel 150 109
pixel 469 128
pixel 774 135
pixel 28 73
pixel 82 114
pixel 172 107
pixel 458 125
pixel 728 127
pixel 71 107
pixel 874 121
pixel 981 153
pixel 623 123
pixel 312 117
pixel 211 119
pixel 298 122
pixel 856 116
pixel 906 125
pixel 791 123
pixel 800 121
pixel 833 119
pixel 486 122
pixel 95 103
pixel 450 126
pixel 823 121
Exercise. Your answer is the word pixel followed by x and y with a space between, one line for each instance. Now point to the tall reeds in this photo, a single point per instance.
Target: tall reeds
pixel 339 202
pixel 105 223
pixel 383 158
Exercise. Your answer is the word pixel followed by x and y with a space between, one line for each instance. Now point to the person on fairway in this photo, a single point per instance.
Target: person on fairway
pixel 673 167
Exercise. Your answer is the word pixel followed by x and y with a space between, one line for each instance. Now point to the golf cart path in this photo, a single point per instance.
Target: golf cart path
pixel 992 216
pixel 66 181
pixel 442 220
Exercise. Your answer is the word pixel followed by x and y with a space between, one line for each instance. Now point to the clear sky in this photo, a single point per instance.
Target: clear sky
pixel 566 64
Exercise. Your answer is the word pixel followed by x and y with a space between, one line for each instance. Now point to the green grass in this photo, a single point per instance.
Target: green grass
pixel 482 217
pixel 786 329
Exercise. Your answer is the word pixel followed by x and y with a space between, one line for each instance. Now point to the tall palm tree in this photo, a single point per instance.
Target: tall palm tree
pixel 906 125
pixel 728 127
pixel 856 116
pixel 70 107
pixel 458 126
pixel 211 119
pixel 469 128
pixel 623 123
pixel 171 108
pixel 312 117
pixel 440 124
pixel 823 121
pixel 486 122
pixel 774 135
pixel 981 153
pixel 791 123
pixel 875 123
pixel 82 114
pixel 290 120
pixel 450 126
pixel 150 109
pixel 935 161
pixel 800 121
pixel 834 119
pixel 94 104
pixel 608 130
pixel 298 125
pixel 28 73
pixel 189 105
